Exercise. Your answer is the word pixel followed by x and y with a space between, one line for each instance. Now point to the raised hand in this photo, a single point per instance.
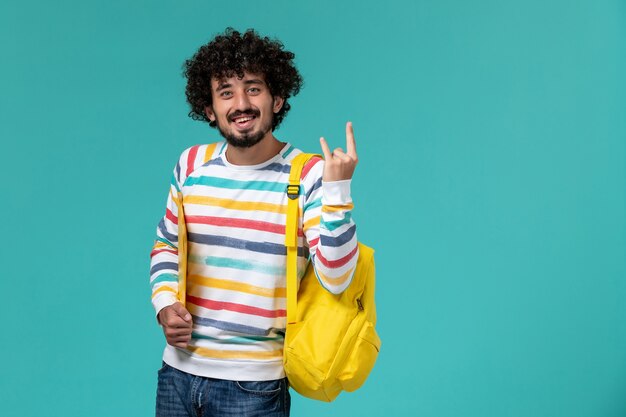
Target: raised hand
pixel 340 165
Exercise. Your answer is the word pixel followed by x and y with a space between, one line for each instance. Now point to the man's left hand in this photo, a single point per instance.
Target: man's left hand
pixel 340 165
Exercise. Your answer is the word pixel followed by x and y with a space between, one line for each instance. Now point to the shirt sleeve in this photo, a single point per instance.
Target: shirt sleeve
pixel 164 255
pixel 329 228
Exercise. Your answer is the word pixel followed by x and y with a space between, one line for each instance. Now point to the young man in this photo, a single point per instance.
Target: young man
pixel 224 346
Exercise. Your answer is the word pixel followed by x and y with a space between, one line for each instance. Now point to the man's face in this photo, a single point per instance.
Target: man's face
pixel 243 109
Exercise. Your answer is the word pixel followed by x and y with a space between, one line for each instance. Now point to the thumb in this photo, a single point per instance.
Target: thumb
pixel 182 312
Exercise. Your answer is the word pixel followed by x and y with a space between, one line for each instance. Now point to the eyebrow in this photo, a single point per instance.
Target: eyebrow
pixel 223 86
pixel 253 81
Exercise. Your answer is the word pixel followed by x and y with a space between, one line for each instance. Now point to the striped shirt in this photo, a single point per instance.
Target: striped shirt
pixel 236 281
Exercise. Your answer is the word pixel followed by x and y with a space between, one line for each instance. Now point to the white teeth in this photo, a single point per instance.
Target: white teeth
pixel 243 119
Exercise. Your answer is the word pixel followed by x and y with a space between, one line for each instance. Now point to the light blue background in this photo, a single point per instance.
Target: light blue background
pixel 491 181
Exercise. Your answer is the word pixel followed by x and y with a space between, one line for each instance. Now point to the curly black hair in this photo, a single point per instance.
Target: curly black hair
pixel 233 53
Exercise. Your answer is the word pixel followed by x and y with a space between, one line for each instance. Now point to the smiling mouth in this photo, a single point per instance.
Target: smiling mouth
pixel 241 120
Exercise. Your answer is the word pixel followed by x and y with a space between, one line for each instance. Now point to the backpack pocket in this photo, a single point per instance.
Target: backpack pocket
pixel 361 360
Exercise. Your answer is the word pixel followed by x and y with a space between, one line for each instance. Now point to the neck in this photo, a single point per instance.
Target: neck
pixel 266 149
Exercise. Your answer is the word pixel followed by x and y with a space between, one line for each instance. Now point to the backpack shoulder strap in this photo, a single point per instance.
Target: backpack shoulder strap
pixel 291 232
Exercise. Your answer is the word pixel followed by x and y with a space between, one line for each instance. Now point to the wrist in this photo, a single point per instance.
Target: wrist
pixel 336 193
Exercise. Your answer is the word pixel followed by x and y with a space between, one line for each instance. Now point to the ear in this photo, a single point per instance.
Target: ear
pixel 208 110
pixel 278 103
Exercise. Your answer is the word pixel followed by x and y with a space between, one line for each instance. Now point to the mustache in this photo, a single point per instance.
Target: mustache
pixel 246 112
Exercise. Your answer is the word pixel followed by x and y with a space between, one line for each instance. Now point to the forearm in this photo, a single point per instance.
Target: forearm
pixel 335 253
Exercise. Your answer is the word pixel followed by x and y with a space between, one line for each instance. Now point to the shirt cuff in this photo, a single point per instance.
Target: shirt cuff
pixel 163 300
pixel 336 193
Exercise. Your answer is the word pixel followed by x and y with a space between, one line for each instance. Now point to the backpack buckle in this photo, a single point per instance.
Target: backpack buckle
pixel 293 191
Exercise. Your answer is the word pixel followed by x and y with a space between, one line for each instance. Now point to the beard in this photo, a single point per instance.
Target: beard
pixel 246 139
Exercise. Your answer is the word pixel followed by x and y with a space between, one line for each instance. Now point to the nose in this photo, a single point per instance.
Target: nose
pixel 242 101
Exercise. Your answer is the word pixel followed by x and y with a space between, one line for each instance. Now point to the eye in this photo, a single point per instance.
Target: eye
pixel 254 90
pixel 226 94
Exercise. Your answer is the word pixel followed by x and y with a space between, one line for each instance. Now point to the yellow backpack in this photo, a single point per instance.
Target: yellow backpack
pixel 330 342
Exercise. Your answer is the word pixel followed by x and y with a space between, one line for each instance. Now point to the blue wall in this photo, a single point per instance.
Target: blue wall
pixel 492 144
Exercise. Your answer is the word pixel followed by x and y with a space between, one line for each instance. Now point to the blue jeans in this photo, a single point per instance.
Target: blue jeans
pixel 181 394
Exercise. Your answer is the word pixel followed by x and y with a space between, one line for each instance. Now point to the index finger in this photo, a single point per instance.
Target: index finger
pixel 350 142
